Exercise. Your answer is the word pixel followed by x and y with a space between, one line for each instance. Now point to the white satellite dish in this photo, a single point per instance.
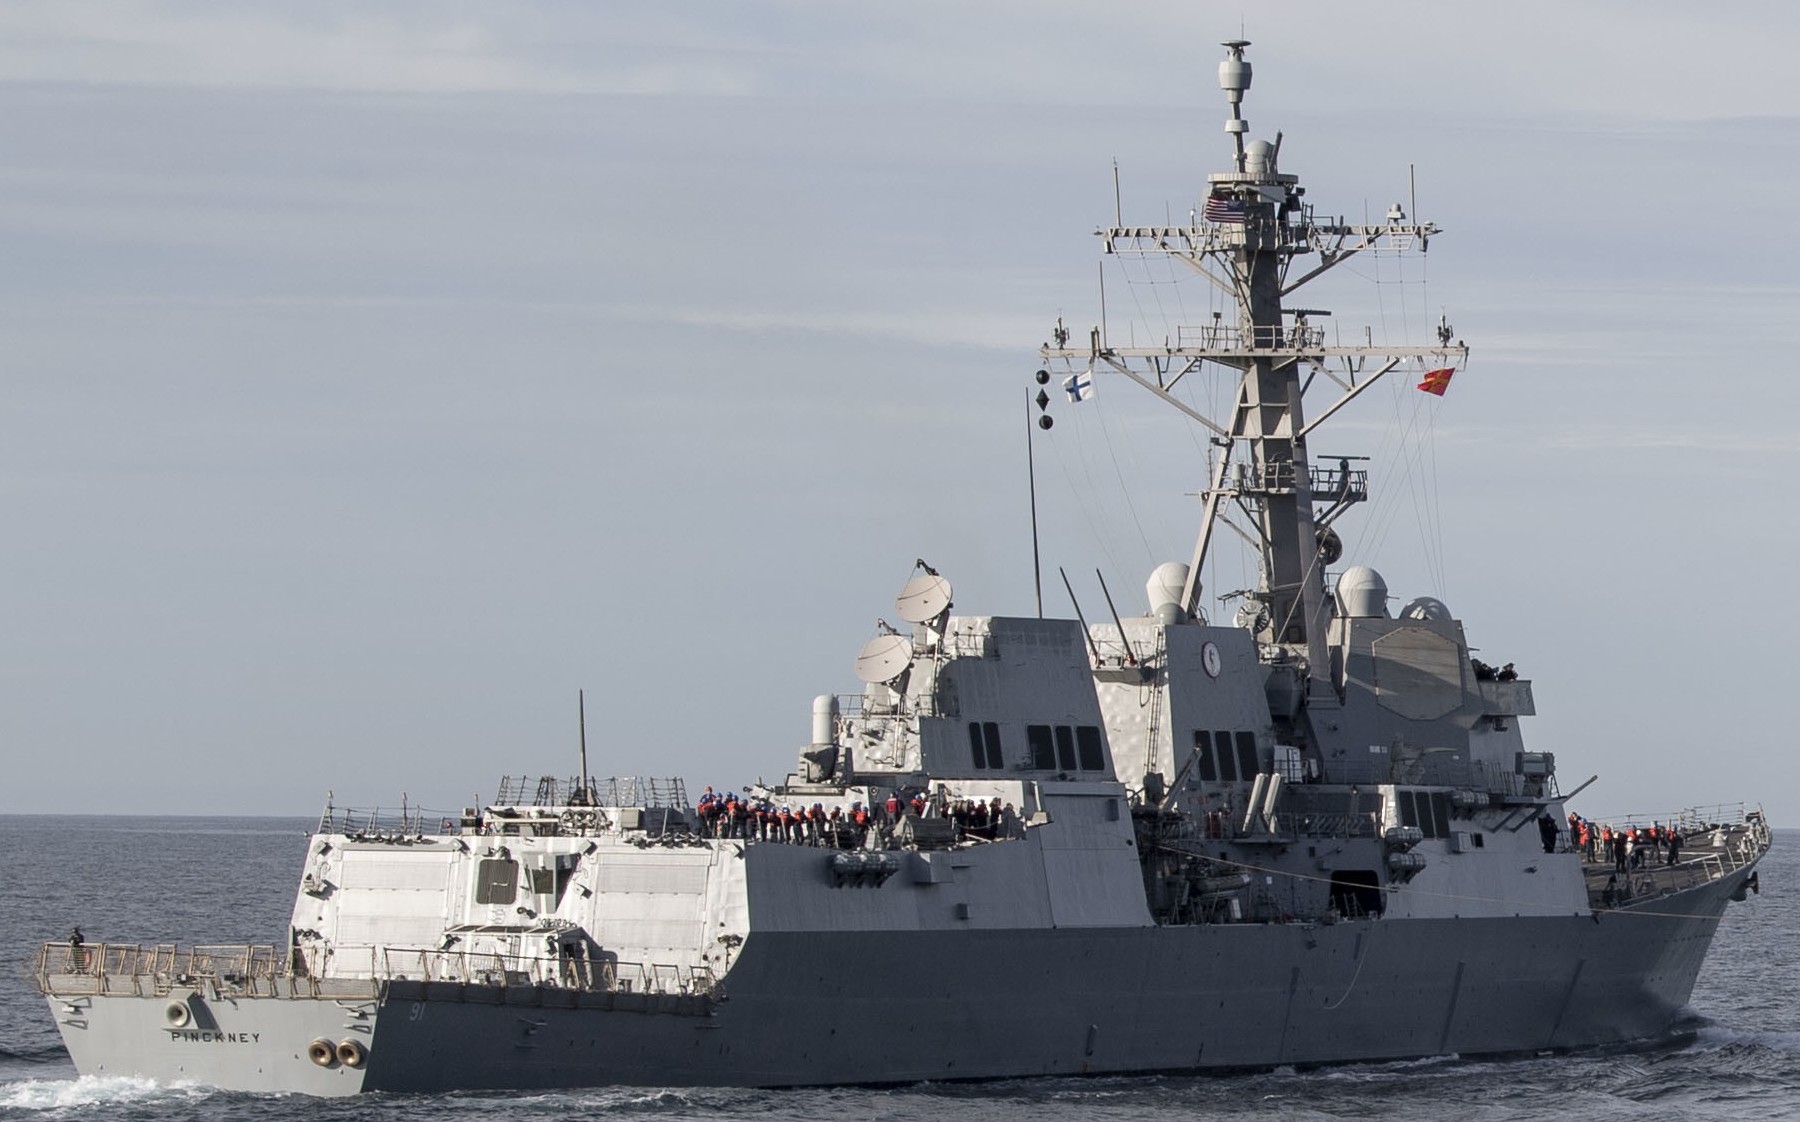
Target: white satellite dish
pixel 884 658
pixel 923 599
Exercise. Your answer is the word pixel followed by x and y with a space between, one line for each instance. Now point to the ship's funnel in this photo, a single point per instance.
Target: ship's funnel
pixel 1362 594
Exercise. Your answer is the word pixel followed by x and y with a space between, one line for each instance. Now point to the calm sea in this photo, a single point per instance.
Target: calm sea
pixel 229 880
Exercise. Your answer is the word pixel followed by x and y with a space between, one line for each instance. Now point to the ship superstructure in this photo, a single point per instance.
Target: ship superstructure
pixel 1027 846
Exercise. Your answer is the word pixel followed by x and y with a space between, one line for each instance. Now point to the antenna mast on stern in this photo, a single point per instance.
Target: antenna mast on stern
pixel 1245 239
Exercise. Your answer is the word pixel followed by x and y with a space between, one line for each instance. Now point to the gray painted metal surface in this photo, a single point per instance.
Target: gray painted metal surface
pixel 1028 846
pixel 993 1003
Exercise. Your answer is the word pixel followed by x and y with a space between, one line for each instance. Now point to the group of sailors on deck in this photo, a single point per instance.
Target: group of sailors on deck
pixel 1628 847
pixel 730 814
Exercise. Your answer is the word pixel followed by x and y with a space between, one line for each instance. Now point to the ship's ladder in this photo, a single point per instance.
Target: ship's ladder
pixel 1153 724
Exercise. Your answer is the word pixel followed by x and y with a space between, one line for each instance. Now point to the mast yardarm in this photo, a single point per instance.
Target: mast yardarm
pixel 1245 238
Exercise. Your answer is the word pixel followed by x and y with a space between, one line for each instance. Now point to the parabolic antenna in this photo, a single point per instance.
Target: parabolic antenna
pixel 884 658
pixel 924 598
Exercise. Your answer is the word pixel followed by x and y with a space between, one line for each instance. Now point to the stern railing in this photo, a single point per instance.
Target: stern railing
pixel 602 974
pixel 246 969
pixel 264 970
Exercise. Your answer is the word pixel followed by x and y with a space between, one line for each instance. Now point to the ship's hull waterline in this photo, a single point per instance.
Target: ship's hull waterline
pixel 1025 846
pixel 873 1007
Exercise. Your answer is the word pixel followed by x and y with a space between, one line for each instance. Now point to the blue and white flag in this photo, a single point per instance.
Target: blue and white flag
pixel 1079 386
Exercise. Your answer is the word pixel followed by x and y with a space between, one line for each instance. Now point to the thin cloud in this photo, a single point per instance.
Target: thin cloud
pixel 220 46
pixel 1013 50
pixel 1620 438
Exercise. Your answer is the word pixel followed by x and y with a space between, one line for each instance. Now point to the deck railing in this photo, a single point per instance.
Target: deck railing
pixel 263 970
pixel 1717 841
pixel 598 975
pixel 238 968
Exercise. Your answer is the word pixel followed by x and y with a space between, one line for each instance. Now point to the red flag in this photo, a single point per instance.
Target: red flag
pixel 1437 381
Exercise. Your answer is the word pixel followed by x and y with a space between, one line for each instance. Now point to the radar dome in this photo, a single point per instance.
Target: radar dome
pixel 1234 75
pixel 1165 585
pixel 1362 594
pixel 1426 608
pixel 1259 158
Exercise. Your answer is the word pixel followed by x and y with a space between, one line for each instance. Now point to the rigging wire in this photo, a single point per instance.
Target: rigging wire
pixel 1155 287
pixel 1437 508
pixel 1084 495
pixel 1131 458
pixel 1175 280
pixel 1119 474
pixel 1125 462
pixel 1404 450
pixel 1412 439
pixel 1422 474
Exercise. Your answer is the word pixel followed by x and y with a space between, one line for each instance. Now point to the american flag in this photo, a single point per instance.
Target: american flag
pixel 1223 208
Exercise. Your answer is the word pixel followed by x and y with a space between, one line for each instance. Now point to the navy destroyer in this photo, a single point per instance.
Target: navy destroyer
pixel 1311 834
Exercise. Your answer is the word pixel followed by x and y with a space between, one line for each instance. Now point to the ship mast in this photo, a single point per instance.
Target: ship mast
pixel 1246 240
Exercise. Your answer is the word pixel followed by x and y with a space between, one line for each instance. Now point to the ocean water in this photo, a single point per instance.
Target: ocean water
pixel 233 880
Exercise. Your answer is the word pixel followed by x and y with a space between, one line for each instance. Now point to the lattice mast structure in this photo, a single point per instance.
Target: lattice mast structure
pixel 1253 229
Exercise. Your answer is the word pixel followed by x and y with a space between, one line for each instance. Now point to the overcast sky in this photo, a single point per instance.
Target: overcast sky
pixel 380 374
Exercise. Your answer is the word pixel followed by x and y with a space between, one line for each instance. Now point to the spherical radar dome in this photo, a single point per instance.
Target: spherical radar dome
pixel 1165 586
pixel 1362 594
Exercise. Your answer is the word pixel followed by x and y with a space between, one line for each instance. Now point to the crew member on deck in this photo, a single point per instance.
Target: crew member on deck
pixel 1547 830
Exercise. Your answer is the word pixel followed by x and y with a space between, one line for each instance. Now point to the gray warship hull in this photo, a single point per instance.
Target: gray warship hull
pixel 810 1008
pixel 1027 846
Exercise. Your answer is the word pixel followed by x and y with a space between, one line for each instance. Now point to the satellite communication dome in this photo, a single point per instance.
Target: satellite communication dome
pixel 1362 594
pixel 1165 585
pixel 1259 158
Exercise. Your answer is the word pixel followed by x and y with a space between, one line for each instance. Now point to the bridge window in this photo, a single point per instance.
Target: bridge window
pixel 1226 756
pixel 1428 810
pixel 1440 814
pixel 1209 770
pixel 984 745
pixel 1066 747
pixel 1246 753
pixel 990 732
pixel 1087 743
pixel 1227 760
